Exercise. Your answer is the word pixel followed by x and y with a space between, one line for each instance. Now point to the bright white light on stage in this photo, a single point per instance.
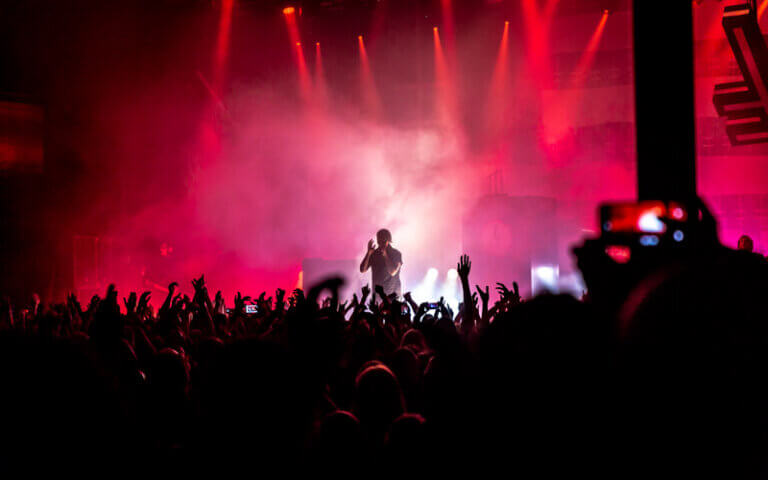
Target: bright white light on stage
pixel 452 275
pixel 450 291
pixel 432 274
pixel 425 290
pixel 544 278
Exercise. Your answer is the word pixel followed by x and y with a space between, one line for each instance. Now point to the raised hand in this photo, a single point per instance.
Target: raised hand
pixel 169 299
pixel 201 293
pixel 143 303
pixel 463 267
pixel 366 291
pixel 507 294
pixel 371 246
pixel 485 297
pixel 380 291
pixel 444 309
pixel 94 304
pixel 240 303
pixel 130 303
pixel 279 299
pixel 176 303
pixel 109 304
pixel 111 293
pixel 74 303
pixel 411 303
pixel 298 297
pixel 219 299
pixel 35 302
pixel 484 294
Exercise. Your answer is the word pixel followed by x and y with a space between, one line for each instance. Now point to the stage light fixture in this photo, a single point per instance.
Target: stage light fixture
pixel 289 10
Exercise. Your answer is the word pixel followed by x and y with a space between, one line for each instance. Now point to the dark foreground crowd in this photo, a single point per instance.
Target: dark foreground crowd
pixel 667 378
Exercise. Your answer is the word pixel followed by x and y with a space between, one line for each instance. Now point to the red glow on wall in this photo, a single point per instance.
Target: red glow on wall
pixel 588 57
pixel 559 116
pixel 537 42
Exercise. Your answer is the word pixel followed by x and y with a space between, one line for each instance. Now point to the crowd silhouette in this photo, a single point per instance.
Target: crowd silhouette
pixel 668 376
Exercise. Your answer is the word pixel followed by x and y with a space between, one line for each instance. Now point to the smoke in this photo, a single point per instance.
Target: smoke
pixel 292 185
pixel 268 173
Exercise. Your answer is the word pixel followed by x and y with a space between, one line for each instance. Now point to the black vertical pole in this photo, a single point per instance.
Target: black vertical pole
pixel 664 100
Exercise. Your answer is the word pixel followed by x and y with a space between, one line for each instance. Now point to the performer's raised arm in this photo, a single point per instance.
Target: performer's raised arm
pixel 366 263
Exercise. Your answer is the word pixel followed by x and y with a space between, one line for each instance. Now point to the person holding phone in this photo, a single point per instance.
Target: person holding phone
pixel 385 263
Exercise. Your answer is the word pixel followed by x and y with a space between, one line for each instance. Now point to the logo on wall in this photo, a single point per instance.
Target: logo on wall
pixel 744 104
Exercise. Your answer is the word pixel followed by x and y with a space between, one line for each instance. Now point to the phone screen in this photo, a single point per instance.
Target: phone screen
pixel 647 222
pixel 251 309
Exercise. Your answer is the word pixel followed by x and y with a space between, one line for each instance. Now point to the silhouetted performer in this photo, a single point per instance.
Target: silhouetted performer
pixel 384 262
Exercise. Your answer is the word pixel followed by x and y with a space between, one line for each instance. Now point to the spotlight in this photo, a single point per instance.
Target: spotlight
pixel 452 274
pixel 289 11
pixel 432 274
pixel 450 289
pixel 434 29
pixel 425 290
pixel 359 37
pixel 506 23
pixel 545 278
pixel 606 12
pixel 298 44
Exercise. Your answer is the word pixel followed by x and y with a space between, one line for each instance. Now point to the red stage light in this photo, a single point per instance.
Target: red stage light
pixel 434 29
pixel 298 44
pixel 288 10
